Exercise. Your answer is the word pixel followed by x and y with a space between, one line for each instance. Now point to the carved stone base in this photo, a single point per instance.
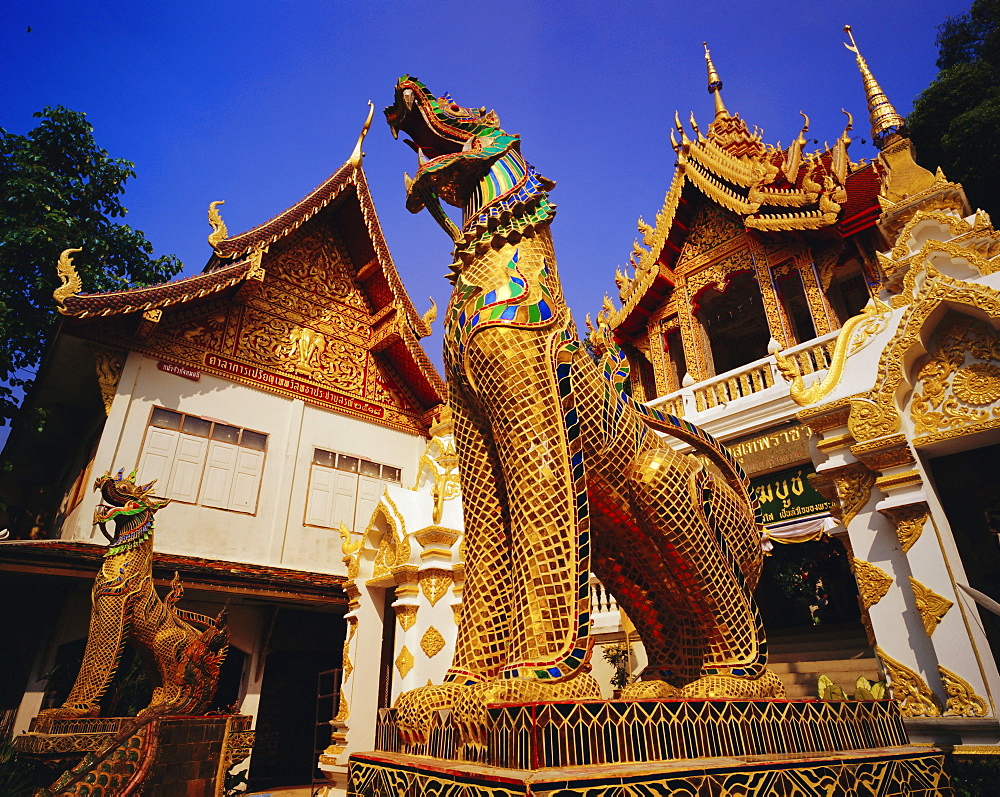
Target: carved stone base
pixel 670 746
pixel 894 772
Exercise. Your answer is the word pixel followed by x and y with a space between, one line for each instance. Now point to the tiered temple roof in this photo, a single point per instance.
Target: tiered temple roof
pixel 261 263
pixel 772 190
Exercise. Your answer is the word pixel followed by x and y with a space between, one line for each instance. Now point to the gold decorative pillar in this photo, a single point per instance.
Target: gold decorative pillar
pixel 818 306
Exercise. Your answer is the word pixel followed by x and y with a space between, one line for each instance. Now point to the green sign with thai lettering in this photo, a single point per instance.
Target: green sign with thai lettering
pixel 788 495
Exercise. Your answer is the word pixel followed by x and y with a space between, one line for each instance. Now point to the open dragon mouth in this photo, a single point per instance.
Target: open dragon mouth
pixel 416 113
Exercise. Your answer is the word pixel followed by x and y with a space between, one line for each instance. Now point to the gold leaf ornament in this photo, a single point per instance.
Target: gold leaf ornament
pixel 432 643
pixel 873 582
pixel 404 661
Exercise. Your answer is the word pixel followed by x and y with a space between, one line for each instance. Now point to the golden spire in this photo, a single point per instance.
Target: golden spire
pixel 886 122
pixel 714 84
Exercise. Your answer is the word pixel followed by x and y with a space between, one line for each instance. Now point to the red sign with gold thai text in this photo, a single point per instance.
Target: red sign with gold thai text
pixel 287 384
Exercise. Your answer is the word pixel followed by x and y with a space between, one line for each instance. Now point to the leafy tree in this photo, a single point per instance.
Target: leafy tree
pixel 59 190
pixel 955 120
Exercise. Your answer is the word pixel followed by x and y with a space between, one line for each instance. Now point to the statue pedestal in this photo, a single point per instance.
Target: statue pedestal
pixel 168 756
pixel 667 746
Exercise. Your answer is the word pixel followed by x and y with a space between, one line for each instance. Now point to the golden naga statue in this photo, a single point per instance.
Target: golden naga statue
pixel 187 649
pixel 561 471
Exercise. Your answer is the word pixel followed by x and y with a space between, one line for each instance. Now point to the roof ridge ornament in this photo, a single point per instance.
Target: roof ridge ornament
pixel 357 155
pixel 886 121
pixel 219 232
pixel 714 84
pixel 71 282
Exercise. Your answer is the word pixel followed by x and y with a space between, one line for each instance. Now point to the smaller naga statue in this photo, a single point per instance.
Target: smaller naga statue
pixel 186 649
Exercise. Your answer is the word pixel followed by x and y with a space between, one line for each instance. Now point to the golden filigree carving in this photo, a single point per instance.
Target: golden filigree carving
pixel 876 412
pixel 406 613
pixel 913 695
pixel 873 582
pixel 854 487
pixel 71 282
pixel 219 232
pixel 909 521
pixel 434 583
pixel 432 643
pixel 932 607
pixel 953 395
pixel 404 661
pixel 962 698
pixel 109 364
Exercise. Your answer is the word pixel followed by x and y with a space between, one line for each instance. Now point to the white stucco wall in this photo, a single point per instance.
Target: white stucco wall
pixel 276 534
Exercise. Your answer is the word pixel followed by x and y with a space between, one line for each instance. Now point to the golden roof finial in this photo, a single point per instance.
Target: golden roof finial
pixel 357 155
pixel 714 84
pixel 219 232
pixel 886 122
pixel 71 283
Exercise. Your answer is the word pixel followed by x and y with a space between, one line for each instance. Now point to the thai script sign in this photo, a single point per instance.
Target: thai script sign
pixel 286 384
pixel 179 370
pixel 773 449
pixel 788 495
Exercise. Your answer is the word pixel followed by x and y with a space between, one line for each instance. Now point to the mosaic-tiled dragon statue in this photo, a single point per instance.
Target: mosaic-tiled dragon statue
pixel 185 649
pixel 561 472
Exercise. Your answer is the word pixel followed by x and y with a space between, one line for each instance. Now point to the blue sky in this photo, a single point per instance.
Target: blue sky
pixel 258 102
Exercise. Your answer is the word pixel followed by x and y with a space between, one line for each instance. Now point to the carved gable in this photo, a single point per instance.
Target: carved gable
pixel 713 226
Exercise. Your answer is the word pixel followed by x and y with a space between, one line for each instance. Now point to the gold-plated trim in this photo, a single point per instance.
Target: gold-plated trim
pixel 432 643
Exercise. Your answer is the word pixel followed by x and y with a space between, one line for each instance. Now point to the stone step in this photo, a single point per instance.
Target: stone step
pixel 845 654
pixel 829 667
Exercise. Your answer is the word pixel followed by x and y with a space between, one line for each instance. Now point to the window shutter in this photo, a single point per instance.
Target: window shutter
pixel 319 502
pixel 189 461
pixel 219 473
pixel 154 463
pixel 344 499
pixel 369 491
pixel 246 480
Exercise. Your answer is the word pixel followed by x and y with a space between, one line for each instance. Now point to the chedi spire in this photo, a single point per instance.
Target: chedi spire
pixel 886 121
pixel 714 84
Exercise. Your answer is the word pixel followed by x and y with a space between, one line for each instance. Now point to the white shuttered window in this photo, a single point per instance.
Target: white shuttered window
pixel 345 489
pixel 196 460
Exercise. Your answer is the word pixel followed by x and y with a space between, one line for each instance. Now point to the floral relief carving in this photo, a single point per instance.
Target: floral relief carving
pixel 318 263
pixel 958 380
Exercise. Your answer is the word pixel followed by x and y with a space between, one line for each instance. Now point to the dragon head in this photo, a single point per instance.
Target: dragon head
pixel 124 500
pixel 456 146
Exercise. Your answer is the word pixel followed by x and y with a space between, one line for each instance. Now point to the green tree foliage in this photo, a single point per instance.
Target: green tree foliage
pixel 955 119
pixel 59 190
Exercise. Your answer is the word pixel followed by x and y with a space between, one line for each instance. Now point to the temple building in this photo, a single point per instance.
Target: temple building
pixel 835 324
pixel 273 397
